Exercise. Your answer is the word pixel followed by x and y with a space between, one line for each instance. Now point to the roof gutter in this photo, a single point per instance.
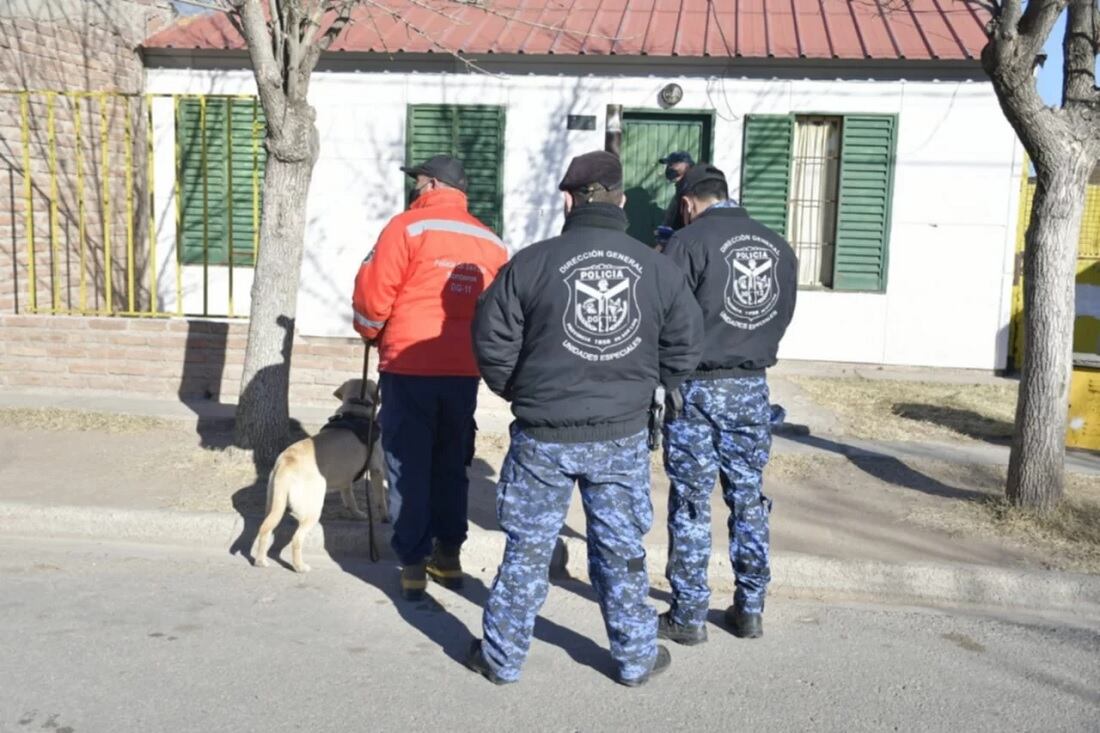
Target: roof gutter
pixel 606 65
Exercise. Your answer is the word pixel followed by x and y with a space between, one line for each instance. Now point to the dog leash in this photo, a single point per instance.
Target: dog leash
pixel 373 550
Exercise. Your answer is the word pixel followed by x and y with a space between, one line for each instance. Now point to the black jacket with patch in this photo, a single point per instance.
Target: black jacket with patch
pixel 745 277
pixel 577 331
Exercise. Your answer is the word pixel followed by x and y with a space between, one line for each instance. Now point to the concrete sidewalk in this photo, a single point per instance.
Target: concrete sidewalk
pixel 811 430
pixel 845 529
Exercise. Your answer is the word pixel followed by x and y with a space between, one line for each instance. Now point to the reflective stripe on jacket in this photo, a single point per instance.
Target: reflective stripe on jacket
pixel 420 284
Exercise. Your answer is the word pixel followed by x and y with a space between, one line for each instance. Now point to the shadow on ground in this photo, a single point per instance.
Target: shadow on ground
pixel 967 422
pixel 432 618
pixel 889 469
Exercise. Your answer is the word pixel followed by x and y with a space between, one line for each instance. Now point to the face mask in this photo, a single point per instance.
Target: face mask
pixel 416 194
pixel 671 174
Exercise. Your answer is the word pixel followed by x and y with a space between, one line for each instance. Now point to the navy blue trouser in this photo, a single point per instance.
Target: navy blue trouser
pixel 427 430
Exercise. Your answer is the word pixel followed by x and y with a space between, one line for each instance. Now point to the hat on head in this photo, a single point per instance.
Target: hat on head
pixel 679 156
pixel 699 173
pixel 593 170
pixel 443 168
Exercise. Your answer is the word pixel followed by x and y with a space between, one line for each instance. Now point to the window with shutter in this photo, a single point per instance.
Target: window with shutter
pixel 472 133
pixel 863 211
pixel 766 169
pixel 799 202
pixel 220 170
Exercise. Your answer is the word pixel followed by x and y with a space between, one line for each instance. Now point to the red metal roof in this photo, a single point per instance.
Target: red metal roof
pixel 757 29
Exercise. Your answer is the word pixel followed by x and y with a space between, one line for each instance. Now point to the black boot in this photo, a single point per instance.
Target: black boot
pixel 445 567
pixel 686 635
pixel 413 582
pixel 744 625
pixel 475 660
pixel 660 664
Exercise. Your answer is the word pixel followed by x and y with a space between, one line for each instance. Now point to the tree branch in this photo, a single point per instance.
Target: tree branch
pixel 1009 16
pixel 1016 37
pixel 269 78
pixel 1037 22
pixel 324 38
pixel 468 63
pixel 234 19
pixel 295 51
pixel 1079 48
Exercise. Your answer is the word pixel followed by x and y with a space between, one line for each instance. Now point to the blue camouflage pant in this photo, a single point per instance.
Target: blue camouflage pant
pixel 724 433
pixel 536 483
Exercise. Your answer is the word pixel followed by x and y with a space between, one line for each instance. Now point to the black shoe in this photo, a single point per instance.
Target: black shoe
pixel 660 664
pixel 744 625
pixel 413 582
pixel 475 661
pixel 686 635
pixel 445 567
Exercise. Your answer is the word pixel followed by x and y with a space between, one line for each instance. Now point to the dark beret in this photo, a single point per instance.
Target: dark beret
pixel 597 167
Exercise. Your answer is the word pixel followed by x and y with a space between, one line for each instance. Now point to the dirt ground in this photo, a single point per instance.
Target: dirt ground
pixel 895 410
pixel 877 508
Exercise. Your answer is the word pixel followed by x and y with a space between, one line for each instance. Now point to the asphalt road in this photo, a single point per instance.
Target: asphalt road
pixel 115 637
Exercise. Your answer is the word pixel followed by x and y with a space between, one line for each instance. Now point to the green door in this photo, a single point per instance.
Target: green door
pixel 648 137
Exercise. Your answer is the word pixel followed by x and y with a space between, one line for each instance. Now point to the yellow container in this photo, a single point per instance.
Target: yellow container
pixel 1083 428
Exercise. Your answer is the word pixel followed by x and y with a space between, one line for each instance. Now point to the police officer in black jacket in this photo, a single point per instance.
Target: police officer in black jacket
pixel 745 277
pixel 577 332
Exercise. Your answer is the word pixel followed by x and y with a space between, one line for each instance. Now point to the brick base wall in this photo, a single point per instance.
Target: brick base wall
pixel 159 358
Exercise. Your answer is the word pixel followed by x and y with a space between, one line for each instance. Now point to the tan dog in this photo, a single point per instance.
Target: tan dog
pixel 308 469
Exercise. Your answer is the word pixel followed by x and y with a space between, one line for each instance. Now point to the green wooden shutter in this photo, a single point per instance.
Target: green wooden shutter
pixel 865 197
pixel 766 169
pixel 247 163
pixel 226 141
pixel 475 135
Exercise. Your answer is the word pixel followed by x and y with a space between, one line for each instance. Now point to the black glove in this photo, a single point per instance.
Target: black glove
pixel 674 404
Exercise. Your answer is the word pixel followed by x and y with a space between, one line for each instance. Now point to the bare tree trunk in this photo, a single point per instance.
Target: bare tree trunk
pixel 262 412
pixel 1035 469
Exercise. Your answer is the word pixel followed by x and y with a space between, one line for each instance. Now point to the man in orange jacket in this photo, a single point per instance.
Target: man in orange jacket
pixel 415 295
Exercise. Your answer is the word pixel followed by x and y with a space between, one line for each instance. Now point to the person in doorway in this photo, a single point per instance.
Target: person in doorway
pixel 745 277
pixel 676 166
pixel 577 332
pixel 415 295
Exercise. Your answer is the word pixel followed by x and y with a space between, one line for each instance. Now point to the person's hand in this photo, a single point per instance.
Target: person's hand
pixel 375 342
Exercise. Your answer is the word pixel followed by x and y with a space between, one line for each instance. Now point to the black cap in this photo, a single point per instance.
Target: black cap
pixel 593 170
pixel 443 168
pixel 680 156
pixel 699 173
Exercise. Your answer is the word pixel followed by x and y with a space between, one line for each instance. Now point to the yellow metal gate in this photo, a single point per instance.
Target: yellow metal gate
pixel 98 221
pixel 1084 407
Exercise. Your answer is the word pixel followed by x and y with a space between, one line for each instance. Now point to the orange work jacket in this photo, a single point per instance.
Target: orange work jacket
pixel 419 286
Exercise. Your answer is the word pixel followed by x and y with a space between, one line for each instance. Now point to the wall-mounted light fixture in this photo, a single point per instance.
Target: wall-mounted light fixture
pixel 670 95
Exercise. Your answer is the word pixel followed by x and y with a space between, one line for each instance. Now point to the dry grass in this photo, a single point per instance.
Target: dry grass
pixel 221 474
pixel 1068 538
pixel 913 411
pixel 966 500
pixel 53 419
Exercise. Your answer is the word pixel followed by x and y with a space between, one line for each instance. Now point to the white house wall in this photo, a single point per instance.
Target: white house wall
pixel 953 222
